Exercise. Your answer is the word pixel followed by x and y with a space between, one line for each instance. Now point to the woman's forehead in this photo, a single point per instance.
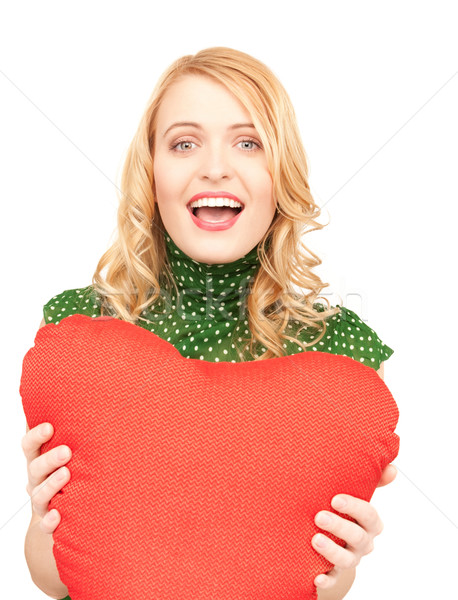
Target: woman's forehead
pixel 195 99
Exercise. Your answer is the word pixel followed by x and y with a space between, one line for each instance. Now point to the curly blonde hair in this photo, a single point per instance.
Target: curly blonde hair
pixel 137 264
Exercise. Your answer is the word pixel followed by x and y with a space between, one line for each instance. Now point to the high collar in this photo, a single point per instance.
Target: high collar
pixel 211 291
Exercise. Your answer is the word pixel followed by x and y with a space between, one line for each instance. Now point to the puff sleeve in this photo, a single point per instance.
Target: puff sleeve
pixel 79 300
pixel 352 337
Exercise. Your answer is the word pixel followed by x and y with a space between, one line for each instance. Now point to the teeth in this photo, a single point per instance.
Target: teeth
pixel 216 202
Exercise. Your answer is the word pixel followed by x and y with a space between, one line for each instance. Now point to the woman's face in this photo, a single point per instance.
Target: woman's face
pixel 214 157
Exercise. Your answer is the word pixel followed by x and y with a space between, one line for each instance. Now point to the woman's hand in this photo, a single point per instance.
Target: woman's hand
pixel 43 479
pixel 359 536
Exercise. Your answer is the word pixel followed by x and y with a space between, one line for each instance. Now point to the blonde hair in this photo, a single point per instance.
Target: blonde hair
pixel 137 264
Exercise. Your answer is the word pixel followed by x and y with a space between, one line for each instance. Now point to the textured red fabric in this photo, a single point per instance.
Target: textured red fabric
pixel 194 480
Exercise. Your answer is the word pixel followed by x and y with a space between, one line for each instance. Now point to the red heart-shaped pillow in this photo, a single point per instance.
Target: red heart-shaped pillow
pixel 193 480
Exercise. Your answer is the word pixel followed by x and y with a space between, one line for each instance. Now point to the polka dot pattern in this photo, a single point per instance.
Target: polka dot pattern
pixel 208 315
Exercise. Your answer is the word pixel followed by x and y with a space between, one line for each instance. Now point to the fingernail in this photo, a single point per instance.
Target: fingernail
pixel 321 541
pixel 63 453
pixel 52 516
pixel 339 502
pixel 61 474
pixel 46 430
pixel 323 519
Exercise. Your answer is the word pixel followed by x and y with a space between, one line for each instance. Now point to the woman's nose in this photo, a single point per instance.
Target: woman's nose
pixel 216 164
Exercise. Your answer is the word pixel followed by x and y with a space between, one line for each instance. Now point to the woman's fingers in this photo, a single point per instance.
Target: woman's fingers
pixel 34 438
pixel 42 494
pixel 388 475
pixel 363 512
pixel 46 475
pixel 335 554
pixel 351 533
pixel 325 581
pixel 50 521
pixel 48 462
pixel 40 466
pixel 358 537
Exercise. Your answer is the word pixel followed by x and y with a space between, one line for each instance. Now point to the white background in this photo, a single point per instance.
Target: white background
pixel 375 89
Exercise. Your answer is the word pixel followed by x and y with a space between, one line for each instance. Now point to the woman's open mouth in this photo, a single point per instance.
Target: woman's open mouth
pixel 215 218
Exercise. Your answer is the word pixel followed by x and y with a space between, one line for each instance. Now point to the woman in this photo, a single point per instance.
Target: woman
pixel 215 200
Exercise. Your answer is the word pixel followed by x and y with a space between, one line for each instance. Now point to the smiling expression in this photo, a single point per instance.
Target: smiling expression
pixel 218 150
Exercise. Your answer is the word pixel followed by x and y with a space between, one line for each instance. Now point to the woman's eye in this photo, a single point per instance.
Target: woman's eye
pixel 174 147
pixel 249 141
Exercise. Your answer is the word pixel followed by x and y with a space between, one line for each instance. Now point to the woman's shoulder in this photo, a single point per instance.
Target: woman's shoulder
pixel 82 300
pixel 347 334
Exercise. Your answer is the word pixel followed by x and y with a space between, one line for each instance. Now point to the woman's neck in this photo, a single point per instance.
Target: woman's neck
pixel 210 291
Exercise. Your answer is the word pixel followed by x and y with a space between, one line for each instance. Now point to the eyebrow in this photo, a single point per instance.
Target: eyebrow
pixel 197 126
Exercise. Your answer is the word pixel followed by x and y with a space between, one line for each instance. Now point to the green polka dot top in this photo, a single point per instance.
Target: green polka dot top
pixel 206 319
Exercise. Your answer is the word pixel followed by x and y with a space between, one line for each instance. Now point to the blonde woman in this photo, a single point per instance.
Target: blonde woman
pixel 214 206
